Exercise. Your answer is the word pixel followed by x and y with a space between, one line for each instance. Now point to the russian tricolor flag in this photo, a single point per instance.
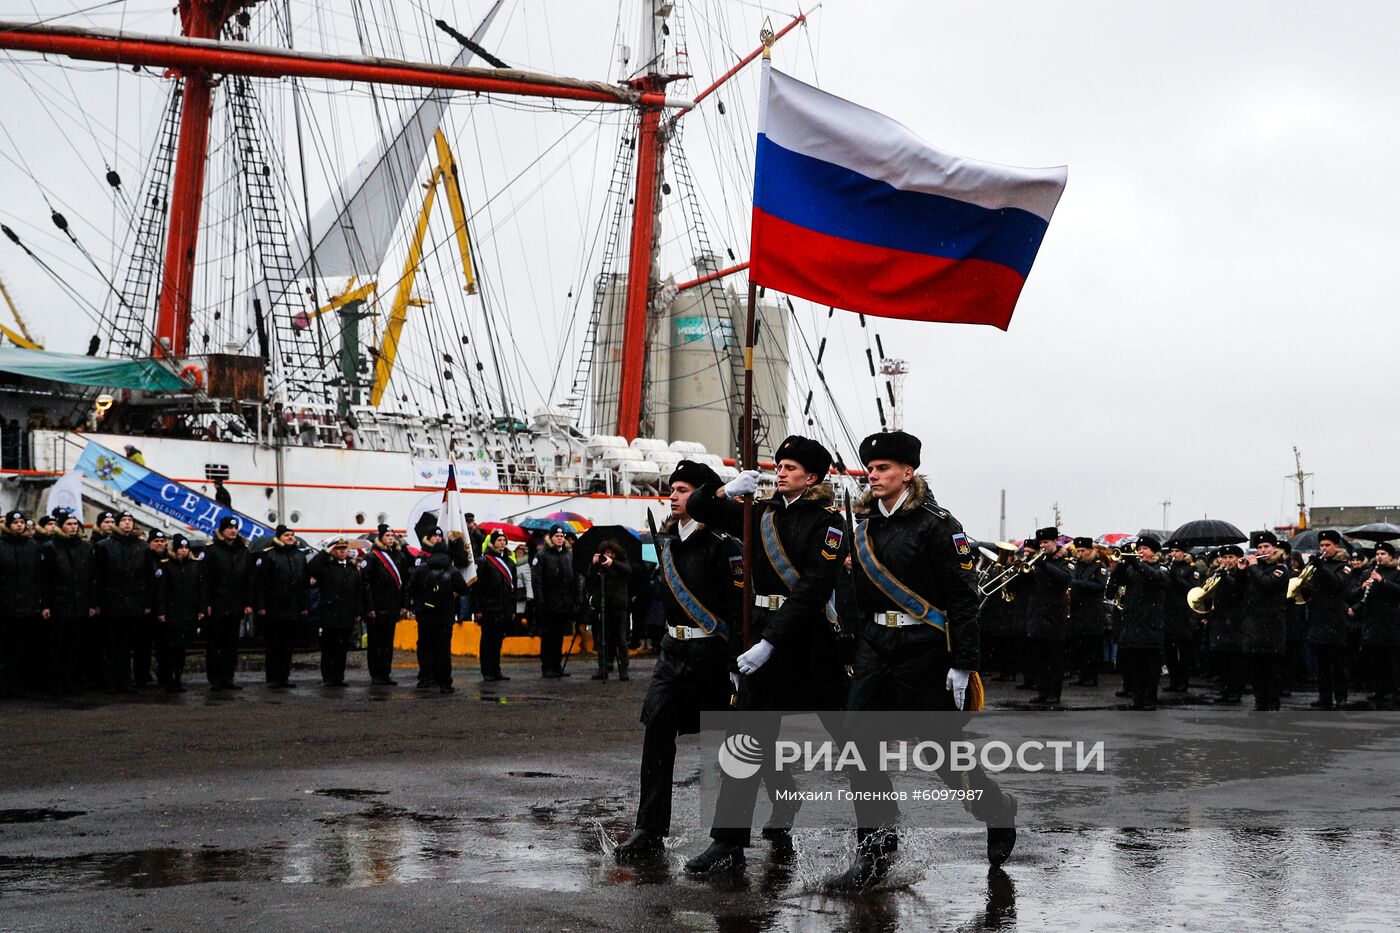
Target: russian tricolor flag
pixel 853 210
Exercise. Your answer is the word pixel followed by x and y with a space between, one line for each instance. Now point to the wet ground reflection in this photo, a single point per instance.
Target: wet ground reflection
pixel 1105 879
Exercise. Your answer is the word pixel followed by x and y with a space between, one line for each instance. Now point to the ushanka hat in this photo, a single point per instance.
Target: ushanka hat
pixel 693 473
pixel 898 446
pixel 813 456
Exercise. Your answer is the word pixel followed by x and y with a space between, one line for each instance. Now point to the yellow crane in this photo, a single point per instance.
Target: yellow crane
pixel 445 172
pixel 22 338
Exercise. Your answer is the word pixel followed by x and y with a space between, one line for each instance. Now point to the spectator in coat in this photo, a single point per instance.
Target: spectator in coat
pixel 609 575
pixel 337 579
pixel 180 604
pixel 493 602
pixel 280 599
pixel 555 587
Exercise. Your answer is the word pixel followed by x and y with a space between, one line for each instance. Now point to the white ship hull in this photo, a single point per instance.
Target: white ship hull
pixel 328 490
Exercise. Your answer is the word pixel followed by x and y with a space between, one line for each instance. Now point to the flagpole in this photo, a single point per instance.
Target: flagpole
pixel 749 462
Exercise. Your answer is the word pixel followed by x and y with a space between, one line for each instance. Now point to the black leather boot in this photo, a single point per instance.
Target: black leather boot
pixel 718 855
pixel 641 844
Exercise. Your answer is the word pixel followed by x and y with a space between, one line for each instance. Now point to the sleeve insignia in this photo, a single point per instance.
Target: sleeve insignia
pixel 1278 573
pixel 736 565
pixel 967 564
pixel 961 544
pixel 159 572
pixel 258 562
pixel 1346 570
pixel 828 555
pixel 834 537
pixel 1103 571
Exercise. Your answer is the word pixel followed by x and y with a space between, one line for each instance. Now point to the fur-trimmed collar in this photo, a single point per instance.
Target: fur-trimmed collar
pixel 820 493
pixel 918 494
pixel 669 526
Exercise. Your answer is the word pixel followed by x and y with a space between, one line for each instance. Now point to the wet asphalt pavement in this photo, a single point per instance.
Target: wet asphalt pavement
pixel 496 807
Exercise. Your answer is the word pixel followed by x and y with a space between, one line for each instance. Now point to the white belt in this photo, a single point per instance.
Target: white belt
pixel 769 602
pixel 896 619
pixel 687 632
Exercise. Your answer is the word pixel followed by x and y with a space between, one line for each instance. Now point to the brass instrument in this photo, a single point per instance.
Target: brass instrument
pixel 997 582
pixel 1297 586
pixel 1199 596
pixel 1117 555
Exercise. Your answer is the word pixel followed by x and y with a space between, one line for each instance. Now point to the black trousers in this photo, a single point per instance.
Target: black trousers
pixel 610 641
pixel 335 642
pixel 116 651
pixel 553 626
pixel 1331 673
pixel 658 765
pixel 1267 674
pixel 170 653
pixel 492 634
pixel 143 639
pixel 12 660
pixel 279 633
pixel 1385 674
pixel 1086 655
pixel 1180 656
pixel 424 650
pixel 737 797
pixel 62 653
pixel 1229 671
pixel 379 650
pixel 1142 670
pixel 1048 657
pixel 435 651
pixel 221 648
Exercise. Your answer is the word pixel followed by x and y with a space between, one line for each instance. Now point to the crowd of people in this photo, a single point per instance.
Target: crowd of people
pixel 1221 614
pixel 119 609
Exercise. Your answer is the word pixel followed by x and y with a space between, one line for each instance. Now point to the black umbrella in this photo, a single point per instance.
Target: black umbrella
pixel 1376 531
pixel 625 538
pixel 1306 540
pixel 1208 532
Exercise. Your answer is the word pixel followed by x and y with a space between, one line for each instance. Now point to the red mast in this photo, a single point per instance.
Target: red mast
pixel 199 19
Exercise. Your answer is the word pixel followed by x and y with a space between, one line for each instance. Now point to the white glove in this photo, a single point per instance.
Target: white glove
pixel 734 679
pixel 745 484
pixel 756 657
pixel 957 683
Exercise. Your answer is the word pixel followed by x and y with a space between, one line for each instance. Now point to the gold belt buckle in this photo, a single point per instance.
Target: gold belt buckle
pixel 892 619
pixel 774 602
pixel 679 633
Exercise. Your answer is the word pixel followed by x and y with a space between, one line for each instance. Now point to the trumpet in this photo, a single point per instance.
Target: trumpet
pixel 1117 555
pixel 1199 599
pixel 996 582
pixel 1297 591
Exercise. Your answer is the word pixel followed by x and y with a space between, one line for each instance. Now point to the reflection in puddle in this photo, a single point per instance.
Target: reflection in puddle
pixel 38 815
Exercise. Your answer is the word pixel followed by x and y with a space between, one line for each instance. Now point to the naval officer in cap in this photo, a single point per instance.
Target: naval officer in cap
pixel 702 571
pixel 913 569
pixel 795 663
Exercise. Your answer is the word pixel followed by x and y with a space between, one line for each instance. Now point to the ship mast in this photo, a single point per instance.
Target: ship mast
pixel 199 19
pixel 1301 478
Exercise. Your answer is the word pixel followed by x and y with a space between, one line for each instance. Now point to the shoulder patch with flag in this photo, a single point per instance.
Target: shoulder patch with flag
pixel 961 544
pixel 853 210
pixel 834 537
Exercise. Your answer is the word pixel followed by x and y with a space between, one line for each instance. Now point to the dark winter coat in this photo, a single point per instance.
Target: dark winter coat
pixel 122 573
pixel 552 581
pixel 340 588
pixel 1226 626
pixel 806 669
pixel 1265 606
pixel 1088 581
pixel 924 547
pixel 386 574
pixel 181 592
pixel 228 576
pixel 1329 593
pixel 493 593
pixel 1049 604
pixel 69 578
pixel 1144 602
pixel 21 576
pixel 279 583
pixel 433 588
pixel 1181 619
pixel 1381 618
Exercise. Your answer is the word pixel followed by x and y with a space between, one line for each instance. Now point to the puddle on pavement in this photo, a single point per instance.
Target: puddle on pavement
pixel 37 815
pixel 504 699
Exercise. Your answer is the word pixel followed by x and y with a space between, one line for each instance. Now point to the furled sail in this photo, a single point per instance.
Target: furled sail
pixel 351 232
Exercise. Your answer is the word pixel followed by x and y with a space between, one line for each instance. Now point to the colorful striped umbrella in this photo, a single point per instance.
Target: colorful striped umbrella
pixel 571 520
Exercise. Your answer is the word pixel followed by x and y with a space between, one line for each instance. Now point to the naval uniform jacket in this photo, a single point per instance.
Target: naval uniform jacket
pixel 69 577
pixel 279 583
pixel 493 593
pixel 805 671
pixel 1265 606
pixel 1226 628
pixel 384 592
pixel 1143 602
pixel 339 584
pixel 1088 580
pixel 1181 619
pixel 21 576
pixel 228 576
pixel 692 675
pixel 1051 577
pixel 1329 594
pixel 122 572
pixel 923 546
pixel 1381 622
pixel 180 596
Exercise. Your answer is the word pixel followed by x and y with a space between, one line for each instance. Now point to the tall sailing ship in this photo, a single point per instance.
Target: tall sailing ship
pixel 325 360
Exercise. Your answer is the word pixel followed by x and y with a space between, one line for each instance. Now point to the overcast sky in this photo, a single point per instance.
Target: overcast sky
pixel 1216 285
